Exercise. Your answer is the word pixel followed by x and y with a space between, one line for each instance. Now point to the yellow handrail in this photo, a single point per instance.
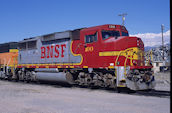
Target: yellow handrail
pixel 125 59
pixel 118 57
pixel 131 59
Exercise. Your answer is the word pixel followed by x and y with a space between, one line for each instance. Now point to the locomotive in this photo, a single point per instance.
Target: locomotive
pixel 100 56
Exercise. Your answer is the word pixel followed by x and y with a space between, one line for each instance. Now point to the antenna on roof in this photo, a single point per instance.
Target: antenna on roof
pixel 123 17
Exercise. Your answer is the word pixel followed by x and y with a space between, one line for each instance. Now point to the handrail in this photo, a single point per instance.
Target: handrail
pixel 118 57
pixel 125 59
pixel 131 59
pixel 117 60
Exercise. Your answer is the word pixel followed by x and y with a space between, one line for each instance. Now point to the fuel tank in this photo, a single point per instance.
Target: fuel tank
pixel 50 75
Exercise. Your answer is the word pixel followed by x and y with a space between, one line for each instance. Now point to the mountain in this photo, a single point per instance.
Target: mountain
pixel 154 39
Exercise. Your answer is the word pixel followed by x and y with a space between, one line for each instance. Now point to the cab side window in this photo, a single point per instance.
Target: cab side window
pixel 125 34
pixel 91 38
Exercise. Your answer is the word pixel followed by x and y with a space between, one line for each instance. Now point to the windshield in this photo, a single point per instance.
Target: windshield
pixel 107 34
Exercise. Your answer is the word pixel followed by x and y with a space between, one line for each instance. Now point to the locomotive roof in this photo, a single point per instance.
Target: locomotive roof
pixel 69 31
pixel 8 43
pixel 103 26
pixel 29 39
pixel 37 37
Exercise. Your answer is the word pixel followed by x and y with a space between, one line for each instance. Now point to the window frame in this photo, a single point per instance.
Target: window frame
pixel 110 36
pixel 93 36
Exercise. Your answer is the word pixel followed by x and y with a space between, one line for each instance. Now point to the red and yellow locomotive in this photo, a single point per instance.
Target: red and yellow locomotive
pixel 103 56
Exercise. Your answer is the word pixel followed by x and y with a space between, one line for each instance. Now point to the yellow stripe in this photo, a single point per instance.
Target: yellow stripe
pixel 111 67
pixel 122 53
pixel 58 66
pixel 121 86
pixel 13 50
pixel 12 65
pixel 71 66
pixel 85 66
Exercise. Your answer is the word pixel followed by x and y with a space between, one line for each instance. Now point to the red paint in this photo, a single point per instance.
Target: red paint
pixel 42 67
pixel 48 51
pixel 57 51
pixel 51 51
pixel 62 48
pixel 52 66
pixel 141 67
pixel 42 52
pixel 32 66
pixel 92 58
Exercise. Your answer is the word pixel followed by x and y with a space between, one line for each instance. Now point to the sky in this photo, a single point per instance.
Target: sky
pixel 21 19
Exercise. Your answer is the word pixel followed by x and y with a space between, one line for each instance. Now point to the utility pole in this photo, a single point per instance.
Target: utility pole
pixel 123 17
pixel 162 28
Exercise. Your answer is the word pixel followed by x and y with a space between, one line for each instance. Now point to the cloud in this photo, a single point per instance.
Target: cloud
pixel 154 39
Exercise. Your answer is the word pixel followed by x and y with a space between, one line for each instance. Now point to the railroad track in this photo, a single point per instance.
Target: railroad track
pixel 155 93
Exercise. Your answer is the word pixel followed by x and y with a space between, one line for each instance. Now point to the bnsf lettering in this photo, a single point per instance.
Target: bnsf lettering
pixel 63 46
pixel 57 51
pixel 53 51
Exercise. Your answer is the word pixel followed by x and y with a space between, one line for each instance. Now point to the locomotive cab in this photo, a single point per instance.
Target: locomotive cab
pixel 99 40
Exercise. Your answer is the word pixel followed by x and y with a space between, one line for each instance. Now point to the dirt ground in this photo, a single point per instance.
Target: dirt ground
pixel 35 98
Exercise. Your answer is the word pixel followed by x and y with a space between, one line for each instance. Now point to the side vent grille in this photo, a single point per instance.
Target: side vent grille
pixel 48 37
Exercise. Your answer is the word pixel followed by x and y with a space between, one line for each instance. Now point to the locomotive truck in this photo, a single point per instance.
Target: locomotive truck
pixel 99 56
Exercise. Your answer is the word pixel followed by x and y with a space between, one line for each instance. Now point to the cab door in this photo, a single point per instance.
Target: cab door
pixel 91 49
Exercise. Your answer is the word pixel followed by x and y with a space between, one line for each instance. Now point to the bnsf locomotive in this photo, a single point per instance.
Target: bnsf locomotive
pixel 101 56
